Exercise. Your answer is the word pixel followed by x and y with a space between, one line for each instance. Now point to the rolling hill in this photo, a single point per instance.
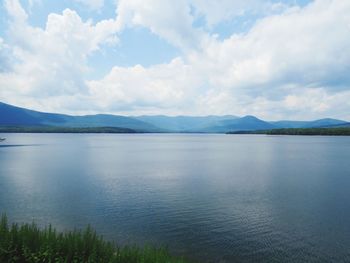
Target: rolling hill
pixel 185 123
pixel 16 116
pixel 12 116
pixel 246 123
pixel 308 124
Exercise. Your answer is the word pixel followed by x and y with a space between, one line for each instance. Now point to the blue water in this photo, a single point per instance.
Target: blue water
pixel 214 198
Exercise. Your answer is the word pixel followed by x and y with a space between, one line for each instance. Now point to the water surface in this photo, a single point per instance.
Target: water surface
pixel 214 198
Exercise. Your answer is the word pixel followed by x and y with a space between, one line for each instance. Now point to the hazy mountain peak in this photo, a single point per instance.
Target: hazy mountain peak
pixel 16 116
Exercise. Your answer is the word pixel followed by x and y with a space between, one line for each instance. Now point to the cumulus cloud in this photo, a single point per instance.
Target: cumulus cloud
pixel 300 48
pixel 168 86
pixel 290 64
pixel 171 20
pixel 15 10
pixel 51 61
pixel 309 46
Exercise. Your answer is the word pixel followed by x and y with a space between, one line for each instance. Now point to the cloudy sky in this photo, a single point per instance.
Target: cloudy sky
pixel 272 59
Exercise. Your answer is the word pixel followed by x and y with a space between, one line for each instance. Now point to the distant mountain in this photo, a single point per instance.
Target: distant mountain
pixel 289 124
pixel 324 123
pixel 251 123
pixel 185 123
pixel 308 124
pixel 11 116
pixel 15 116
pixel 55 129
pixel 247 123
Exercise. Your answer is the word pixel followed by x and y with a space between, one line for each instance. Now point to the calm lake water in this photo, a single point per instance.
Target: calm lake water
pixel 214 198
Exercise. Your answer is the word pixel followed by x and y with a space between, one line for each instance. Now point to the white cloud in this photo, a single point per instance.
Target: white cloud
pixel 15 10
pixel 51 61
pixel 306 46
pixel 293 64
pixel 311 103
pixel 166 86
pixel 171 20
pixel 282 54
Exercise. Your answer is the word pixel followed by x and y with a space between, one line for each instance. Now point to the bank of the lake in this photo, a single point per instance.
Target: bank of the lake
pixel 339 131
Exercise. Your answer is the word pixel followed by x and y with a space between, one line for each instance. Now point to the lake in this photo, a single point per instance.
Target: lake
pixel 213 198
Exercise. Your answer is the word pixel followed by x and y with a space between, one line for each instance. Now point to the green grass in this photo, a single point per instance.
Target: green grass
pixel 29 243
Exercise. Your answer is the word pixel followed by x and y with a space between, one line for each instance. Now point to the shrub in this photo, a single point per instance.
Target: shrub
pixel 29 243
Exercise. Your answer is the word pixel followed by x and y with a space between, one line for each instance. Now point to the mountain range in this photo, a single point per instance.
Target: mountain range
pixel 12 116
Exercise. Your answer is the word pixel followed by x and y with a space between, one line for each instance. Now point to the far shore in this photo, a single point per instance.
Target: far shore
pixel 329 131
pixel 338 131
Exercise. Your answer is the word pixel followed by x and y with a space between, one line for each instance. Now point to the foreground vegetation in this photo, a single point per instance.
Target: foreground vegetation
pixel 343 131
pixel 50 129
pixel 28 243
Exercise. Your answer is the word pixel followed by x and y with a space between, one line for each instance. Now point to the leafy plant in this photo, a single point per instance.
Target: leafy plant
pixel 29 243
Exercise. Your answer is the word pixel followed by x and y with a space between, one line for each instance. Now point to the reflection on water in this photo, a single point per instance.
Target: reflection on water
pixel 218 198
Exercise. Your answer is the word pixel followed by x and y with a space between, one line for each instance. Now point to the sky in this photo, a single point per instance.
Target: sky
pixel 272 59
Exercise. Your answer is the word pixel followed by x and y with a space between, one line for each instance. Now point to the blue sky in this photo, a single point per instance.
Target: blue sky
pixel 273 59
